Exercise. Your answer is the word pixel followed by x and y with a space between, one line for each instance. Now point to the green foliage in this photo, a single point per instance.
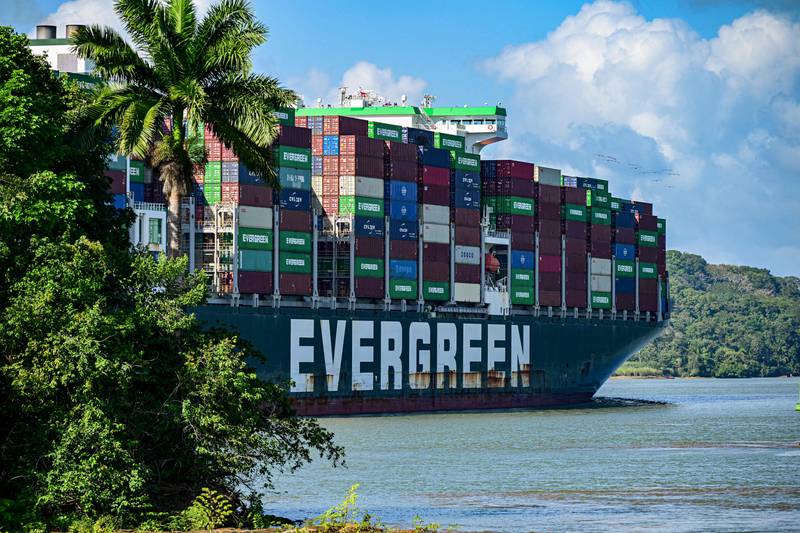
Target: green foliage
pixel 209 510
pixel 420 526
pixel 728 321
pixel 346 516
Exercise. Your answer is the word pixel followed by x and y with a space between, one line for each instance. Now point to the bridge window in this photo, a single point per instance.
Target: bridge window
pixel 478 121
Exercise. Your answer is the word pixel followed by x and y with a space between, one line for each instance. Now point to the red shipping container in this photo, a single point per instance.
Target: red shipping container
pixel 465 217
pixel 361 146
pixel 435 252
pixel 662 242
pixel 550 228
pixel 230 192
pixel 403 249
pixel 648 286
pixel 295 284
pixel 549 263
pixel 227 154
pixel 601 250
pixel 316 144
pixel 213 150
pixel 294 136
pixel 330 166
pixel 648 302
pixel 468 273
pixel 369 247
pixel 625 302
pixel 431 194
pixel 575 298
pixel 662 269
pixel 330 205
pixel 255 282
pixel 488 188
pixel 648 222
pixel 439 177
pixel 293 220
pixel 522 223
pixel 549 298
pixel 435 270
pixel 573 195
pixel 368 287
pixel 549 211
pixel 550 281
pixel 549 246
pixel 337 125
pixel 515 187
pixel 255 195
pixel 576 263
pixel 359 165
pixel 575 246
pixel 403 170
pixel 402 152
pixel 575 230
pixel 600 233
pixel 648 254
pixel 117 178
pixel 576 280
pixel 514 169
pixel 301 122
pixel 549 194
pixel 469 235
pixel 522 241
pixel 624 236
pixel 643 208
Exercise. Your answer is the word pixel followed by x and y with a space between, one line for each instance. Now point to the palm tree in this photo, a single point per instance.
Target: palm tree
pixel 179 73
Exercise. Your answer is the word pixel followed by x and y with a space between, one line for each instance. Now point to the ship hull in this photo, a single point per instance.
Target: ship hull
pixel 344 363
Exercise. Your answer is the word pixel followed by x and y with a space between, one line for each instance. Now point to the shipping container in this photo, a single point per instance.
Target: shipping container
pixel 575 212
pixel 447 141
pixel 522 296
pixel 369 287
pixel 436 233
pixel 294 178
pixel 255 238
pixel 295 241
pixel 401 191
pixel 601 300
pixel 522 241
pixel 624 235
pixel 467 292
pixel 403 249
pixel 294 220
pixel 467 273
pixel 435 290
pixel 625 302
pixel 361 186
pixel 294 199
pixel 255 282
pixel 467 162
pixel 294 284
pixel 550 246
pixel 524 260
pixel 291 135
pixel 601 283
pixel 402 269
pixel 468 255
pixel 600 234
pixel 338 125
pixel 468 235
pixel 361 146
pixel 467 217
pixel 601 266
pixel 369 247
pixel 576 262
pixel 547 176
pixel 436 176
pixel 549 263
pixel 625 285
pixel 386 132
pixel 418 136
pixel 361 206
pixel 624 251
pixel 403 210
pixel 549 298
pixel 436 270
pixel 549 212
pixel 575 298
pixel 403 170
pixel 294 263
pixel 403 230
pixel 369 267
pixel 466 199
pixel 433 195
pixel 290 156
pixel 255 261
pixel 462 179
pixel 575 246
pixel 402 289
pixel 520 223
pixel 368 226
pixel 435 253
pixel 434 157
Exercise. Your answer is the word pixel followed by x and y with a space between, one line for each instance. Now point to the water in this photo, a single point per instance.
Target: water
pixel 721 455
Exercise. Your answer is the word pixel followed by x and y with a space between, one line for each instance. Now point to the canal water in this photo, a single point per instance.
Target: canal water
pixel 718 455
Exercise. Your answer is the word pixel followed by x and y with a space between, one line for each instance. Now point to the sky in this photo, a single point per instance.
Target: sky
pixel 693 105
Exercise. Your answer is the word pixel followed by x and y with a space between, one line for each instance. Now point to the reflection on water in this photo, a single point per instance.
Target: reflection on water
pixel 719 455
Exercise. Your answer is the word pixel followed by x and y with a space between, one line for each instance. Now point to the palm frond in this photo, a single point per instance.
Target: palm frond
pixel 114 59
pixel 257 157
pixel 226 38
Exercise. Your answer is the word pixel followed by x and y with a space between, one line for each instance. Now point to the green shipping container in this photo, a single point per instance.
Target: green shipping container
pixel 615 203
pixel 212 192
pixel 213 173
pixel 285 116
pixel 402 289
pixel 515 205
pixel 295 263
pixel 598 199
pixel 137 171
pixel 255 239
pixel 662 226
pixel 116 162
pixel 368 267
pixel 523 296
pixel 449 142
pixel 386 132
pixel 462 161
pixel 648 238
pixel 601 216
pixel 522 278
pixel 625 268
pixel 601 300
pixel 295 241
pixel 255 260
pixel 361 206
pixel 436 290
pixel 294 178
pixel 648 271
pixel 575 212
pixel 290 156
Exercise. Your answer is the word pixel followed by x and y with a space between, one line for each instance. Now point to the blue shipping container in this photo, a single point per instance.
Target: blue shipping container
pixel 120 201
pixel 368 226
pixel 625 285
pixel 403 191
pixel 489 169
pixel 466 199
pixel 403 210
pixel 522 259
pixel 315 125
pixel 316 165
pixel 402 269
pixel 295 178
pixel 418 136
pixel 402 230
pixel 247 177
pixel 434 157
pixel 294 199
pixel 137 189
pixel 624 220
pixel 330 145
pixel 625 251
pixel 463 179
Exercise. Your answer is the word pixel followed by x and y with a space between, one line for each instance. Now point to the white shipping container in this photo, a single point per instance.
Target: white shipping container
pixel 360 186
pixel 435 214
pixel 601 266
pixel 547 176
pixel 255 217
pixel 601 283
pixel 468 255
pixel 316 185
pixel 438 233
pixel 468 292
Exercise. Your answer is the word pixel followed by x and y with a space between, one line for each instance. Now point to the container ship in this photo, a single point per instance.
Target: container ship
pixel 396 270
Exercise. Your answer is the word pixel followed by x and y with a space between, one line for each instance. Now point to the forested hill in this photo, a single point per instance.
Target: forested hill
pixel 727 321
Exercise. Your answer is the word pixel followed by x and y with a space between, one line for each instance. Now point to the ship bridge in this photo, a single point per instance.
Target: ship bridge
pixel 481 126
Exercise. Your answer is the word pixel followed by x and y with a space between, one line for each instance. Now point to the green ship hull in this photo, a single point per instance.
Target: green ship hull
pixel 366 362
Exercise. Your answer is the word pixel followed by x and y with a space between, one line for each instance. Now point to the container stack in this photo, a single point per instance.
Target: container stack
pixel 624 240
pixel 598 201
pixel 255 245
pixel 433 184
pixel 647 253
pixel 400 203
pixel 465 214
pixel 510 191
pixel 549 227
pixel 575 240
pixel 116 170
pixel 138 176
pixel 662 261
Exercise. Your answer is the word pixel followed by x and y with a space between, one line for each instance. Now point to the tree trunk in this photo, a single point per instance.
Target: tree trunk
pixel 174 223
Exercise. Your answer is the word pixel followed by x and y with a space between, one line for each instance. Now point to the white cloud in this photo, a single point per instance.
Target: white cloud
pixel 707 127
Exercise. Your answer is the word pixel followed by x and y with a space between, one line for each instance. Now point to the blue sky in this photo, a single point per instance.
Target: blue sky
pixel 697 101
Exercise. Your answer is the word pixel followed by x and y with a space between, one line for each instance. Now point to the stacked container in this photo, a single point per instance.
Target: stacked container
pixel 400 204
pixel 662 262
pixel 433 184
pixel 624 243
pixel 598 201
pixel 648 255
pixel 465 214
pixel 575 230
pixel 116 169
pixel 549 227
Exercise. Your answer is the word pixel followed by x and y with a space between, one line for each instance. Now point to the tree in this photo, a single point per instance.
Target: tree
pixel 189 73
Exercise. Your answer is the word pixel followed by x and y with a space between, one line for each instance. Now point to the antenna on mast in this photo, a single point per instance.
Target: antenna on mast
pixel 342 95
pixel 427 100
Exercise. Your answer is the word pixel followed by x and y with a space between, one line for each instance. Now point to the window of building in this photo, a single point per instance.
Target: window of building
pixel 154 233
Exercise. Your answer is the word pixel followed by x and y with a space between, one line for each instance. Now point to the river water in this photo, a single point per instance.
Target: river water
pixel 720 455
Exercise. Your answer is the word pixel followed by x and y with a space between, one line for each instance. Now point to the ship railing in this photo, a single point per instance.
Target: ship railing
pixel 149 206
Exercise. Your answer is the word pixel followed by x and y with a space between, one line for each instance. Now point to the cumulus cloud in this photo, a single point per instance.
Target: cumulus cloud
pixel 706 128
